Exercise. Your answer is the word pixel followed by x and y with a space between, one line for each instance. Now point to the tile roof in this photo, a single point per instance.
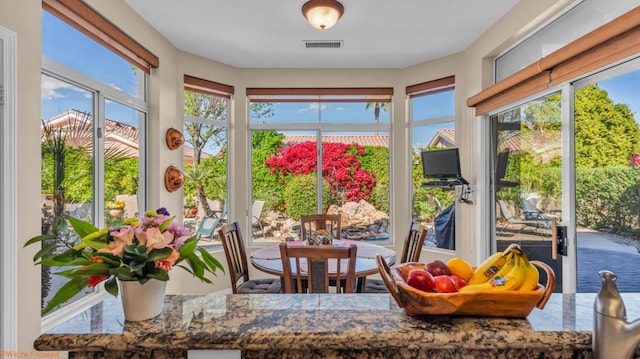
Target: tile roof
pixel 365 140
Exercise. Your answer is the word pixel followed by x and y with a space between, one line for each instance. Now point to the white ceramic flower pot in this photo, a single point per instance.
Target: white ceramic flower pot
pixel 142 301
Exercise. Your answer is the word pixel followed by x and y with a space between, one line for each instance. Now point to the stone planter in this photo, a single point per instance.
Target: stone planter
pixel 115 213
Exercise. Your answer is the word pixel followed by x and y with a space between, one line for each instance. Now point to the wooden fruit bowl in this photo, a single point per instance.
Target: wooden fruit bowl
pixel 515 304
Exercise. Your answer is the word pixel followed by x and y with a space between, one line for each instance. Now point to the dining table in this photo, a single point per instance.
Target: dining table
pixel 268 259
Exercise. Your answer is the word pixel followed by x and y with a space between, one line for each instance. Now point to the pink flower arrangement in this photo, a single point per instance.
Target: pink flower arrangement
pixel 140 250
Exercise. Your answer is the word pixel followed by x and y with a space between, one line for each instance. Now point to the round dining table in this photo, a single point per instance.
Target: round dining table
pixel 268 259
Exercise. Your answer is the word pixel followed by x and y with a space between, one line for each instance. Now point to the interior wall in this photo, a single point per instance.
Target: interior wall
pixel 20 17
pixel 24 17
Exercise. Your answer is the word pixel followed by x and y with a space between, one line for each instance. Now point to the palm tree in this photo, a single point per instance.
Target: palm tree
pixel 376 110
pixel 57 139
pixel 198 174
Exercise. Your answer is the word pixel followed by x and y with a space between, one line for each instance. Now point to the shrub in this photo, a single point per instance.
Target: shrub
pixel 300 196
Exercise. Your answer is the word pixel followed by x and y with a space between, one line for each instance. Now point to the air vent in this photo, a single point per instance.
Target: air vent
pixel 323 44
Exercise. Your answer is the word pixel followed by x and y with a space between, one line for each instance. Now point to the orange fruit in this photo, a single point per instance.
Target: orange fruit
pixel 460 267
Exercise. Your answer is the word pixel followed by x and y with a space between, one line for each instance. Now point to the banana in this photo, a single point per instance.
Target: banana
pixel 512 280
pixel 531 278
pixel 491 265
pixel 509 277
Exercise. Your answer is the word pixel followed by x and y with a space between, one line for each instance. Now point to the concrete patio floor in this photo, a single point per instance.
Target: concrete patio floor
pixel 600 250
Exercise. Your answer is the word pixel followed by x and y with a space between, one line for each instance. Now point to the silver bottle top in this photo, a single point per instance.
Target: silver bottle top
pixel 608 301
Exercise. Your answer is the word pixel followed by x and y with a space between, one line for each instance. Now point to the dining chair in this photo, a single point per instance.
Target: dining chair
pixel 233 245
pixel 411 249
pixel 309 269
pixel 331 223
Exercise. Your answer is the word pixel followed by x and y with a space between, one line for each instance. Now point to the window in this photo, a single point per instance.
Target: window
pixel 320 151
pixel 206 123
pixel 432 127
pixel 92 128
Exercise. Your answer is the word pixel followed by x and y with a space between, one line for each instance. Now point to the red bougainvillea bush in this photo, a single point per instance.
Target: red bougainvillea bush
pixel 340 168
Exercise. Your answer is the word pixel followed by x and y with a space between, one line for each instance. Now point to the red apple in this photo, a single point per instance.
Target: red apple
pixel 420 279
pixel 444 284
pixel 458 281
pixel 437 267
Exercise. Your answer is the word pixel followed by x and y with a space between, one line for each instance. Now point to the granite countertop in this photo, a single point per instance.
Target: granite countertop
pixel 346 322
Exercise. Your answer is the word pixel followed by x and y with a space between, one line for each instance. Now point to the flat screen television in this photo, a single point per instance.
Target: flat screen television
pixel 441 164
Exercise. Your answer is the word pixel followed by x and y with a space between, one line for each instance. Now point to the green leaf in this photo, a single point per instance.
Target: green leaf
pixel 159 254
pixel 188 247
pixel 45 250
pixel 197 265
pixel 123 273
pixel 136 265
pixel 69 257
pixel 111 286
pixel 78 273
pixel 66 273
pixel 159 275
pixel 211 262
pixel 109 259
pixel 94 236
pixel 81 227
pixel 66 292
pixel 39 238
pixel 97 244
pixel 139 250
pixel 163 226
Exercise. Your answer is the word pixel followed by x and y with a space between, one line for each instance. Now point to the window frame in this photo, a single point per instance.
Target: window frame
pixel 215 89
pixel 102 92
pixel 421 90
pixel 319 95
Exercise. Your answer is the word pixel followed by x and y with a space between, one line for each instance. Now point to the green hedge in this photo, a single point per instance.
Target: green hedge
pixel 608 197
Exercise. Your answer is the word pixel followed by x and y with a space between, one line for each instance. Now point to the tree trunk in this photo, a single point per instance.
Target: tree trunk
pixel 203 199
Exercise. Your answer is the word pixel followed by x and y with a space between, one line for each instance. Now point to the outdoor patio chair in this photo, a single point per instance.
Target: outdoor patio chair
pixel 510 218
pixel 256 213
pixel 529 201
pixel 208 225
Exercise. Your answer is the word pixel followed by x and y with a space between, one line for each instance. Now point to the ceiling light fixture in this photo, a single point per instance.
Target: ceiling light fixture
pixel 322 14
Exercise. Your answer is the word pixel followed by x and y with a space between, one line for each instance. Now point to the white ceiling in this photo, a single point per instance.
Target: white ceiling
pixel 271 33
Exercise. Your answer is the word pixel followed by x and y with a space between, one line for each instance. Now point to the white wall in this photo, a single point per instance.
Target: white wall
pixel 23 17
pixel 470 67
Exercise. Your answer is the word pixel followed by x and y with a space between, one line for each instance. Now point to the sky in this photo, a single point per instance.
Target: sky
pixel 65 45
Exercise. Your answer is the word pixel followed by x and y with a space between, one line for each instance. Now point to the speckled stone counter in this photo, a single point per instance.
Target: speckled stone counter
pixel 326 326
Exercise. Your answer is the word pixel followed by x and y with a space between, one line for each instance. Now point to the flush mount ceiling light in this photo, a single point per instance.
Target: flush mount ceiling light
pixel 322 14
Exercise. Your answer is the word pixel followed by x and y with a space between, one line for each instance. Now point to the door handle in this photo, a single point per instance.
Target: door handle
pixel 558 239
pixel 554 239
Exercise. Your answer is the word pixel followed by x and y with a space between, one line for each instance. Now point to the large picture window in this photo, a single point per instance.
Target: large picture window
pixel 92 129
pixel 320 151
pixel 206 123
pixel 433 127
